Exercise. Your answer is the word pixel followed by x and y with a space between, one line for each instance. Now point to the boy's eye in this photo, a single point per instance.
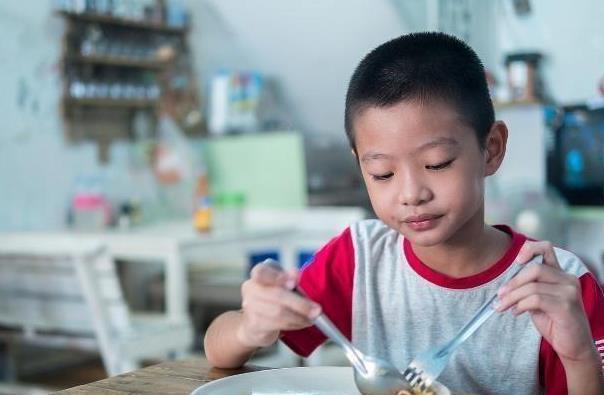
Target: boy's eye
pixel 440 166
pixel 382 177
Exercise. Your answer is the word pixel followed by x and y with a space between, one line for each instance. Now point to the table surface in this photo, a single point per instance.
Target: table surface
pixel 173 377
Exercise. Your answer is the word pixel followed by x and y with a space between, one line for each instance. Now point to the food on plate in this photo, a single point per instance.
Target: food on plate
pixel 417 391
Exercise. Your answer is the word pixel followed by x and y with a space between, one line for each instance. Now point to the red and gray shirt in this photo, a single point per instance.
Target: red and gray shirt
pixel 391 305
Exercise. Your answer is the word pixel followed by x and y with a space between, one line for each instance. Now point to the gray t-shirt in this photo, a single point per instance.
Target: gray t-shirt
pixel 391 305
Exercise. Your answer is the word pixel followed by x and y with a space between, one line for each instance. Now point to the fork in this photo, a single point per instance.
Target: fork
pixel 428 365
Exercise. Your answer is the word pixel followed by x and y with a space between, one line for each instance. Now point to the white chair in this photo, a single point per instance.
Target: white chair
pixel 63 292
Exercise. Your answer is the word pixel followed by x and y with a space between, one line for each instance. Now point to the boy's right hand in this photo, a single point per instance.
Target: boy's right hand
pixel 269 306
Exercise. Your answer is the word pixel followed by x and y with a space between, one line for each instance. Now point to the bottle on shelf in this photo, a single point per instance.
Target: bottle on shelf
pixel 202 211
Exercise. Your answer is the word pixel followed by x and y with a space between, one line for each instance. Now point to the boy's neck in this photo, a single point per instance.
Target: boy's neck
pixel 480 247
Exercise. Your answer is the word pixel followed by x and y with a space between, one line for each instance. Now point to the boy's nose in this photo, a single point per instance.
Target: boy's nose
pixel 414 194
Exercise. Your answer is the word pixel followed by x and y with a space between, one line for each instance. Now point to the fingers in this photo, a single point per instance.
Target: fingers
pixel 536 296
pixel 270 273
pixel 548 272
pixel 535 273
pixel 255 294
pixel 269 317
pixel 539 303
pixel 530 249
pixel 269 305
pixel 267 274
pixel 293 276
pixel 543 287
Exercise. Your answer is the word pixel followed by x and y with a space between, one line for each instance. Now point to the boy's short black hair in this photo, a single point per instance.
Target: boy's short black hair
pixel 423 67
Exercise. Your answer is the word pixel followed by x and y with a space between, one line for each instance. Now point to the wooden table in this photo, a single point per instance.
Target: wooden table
pixel 174 377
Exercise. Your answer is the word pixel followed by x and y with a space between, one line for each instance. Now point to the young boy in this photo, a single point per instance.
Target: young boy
pixel 421 125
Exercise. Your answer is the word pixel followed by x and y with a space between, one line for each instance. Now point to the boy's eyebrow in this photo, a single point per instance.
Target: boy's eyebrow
pixel 371 155
pixel 437 142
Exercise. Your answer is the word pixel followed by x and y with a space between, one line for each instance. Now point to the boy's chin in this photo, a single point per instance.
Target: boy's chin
pixel 424 240
pixel 428 238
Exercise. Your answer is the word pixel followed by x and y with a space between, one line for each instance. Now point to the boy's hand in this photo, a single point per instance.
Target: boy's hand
pixel 553 298
pixel 269 306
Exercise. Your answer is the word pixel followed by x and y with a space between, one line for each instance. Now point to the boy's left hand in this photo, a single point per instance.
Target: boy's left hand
pixel 553 299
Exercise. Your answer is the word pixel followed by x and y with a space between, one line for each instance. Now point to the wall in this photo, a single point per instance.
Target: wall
pixel 311 47
pixel 569 33
pixel 316 44
pixel 524 163
pixel 37 167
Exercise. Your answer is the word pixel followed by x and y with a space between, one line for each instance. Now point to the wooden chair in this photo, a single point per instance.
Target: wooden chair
pixel 65 292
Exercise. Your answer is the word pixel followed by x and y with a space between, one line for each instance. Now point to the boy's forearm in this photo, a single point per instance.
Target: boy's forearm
pixel 222 347
pixel 585 377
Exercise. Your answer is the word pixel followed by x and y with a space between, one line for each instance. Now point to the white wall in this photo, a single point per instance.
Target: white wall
pixel 311 47
pixel 37 166
pixel 524 163
pixel 571 36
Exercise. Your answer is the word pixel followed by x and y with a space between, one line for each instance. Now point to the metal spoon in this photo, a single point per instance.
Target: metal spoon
pixel 372 376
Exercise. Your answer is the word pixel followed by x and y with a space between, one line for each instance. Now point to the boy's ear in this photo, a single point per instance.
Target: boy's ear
pixel 495 147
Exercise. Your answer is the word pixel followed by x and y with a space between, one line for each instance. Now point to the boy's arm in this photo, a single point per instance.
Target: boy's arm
pixel 554 300
pixel 268 307
pixel 553 372
pixel 222 346
pixel 585 376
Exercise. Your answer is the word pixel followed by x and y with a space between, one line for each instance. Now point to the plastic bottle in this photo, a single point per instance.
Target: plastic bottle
pixel 91 210
pixel 219 103
pixel 202 213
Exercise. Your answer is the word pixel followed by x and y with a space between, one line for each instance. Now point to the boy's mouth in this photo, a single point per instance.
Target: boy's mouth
pixel 421 218
pixel 422 222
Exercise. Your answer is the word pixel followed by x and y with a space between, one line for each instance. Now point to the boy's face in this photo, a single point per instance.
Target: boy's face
pixel 423 168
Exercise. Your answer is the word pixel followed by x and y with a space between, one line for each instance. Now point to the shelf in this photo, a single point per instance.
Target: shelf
pixel 115 103
pixel 516 103
pixel 111 20
pixel 587 213
pixel 105 118
pixel 118 61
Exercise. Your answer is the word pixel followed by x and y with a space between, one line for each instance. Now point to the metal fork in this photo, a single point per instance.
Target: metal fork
pixel 427 366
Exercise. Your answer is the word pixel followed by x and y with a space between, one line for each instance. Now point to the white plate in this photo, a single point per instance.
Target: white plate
pixel 323 380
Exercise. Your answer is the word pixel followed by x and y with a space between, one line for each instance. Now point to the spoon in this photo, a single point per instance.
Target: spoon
pixel 372 376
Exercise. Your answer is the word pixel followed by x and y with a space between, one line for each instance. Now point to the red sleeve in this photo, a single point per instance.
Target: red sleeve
pixel 551 371
pixel 327 278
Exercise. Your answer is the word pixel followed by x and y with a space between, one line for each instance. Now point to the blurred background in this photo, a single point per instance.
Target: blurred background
pixel 153 151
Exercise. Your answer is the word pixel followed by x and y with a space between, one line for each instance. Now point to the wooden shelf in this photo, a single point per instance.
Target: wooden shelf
pixel 118 61
pixel 111 20
pixel 115 103
pixel 105 119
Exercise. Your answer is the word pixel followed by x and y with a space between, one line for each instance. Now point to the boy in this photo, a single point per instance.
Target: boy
pixel 421 125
